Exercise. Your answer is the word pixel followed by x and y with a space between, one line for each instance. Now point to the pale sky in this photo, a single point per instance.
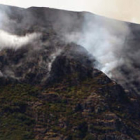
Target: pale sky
pixel 127 10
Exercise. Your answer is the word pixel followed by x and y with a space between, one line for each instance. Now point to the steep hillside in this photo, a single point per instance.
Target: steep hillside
pixel 51 89
pixel 58 28
pixel 79 103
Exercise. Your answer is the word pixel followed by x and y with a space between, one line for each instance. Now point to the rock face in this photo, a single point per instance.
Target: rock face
pixel 51 90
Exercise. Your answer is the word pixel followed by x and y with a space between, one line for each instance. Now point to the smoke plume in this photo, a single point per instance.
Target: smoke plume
pixel 104 39
pixel 8 40
pixel 115 45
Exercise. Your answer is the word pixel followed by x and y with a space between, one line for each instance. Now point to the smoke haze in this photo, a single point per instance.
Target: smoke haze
pixel 109 41
pixel 8 40
pixel 115 45
pixel 104 39
pixel 7 28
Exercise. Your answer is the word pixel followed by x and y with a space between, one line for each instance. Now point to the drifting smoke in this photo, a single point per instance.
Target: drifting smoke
pixel 104 39
pixel 7 29
pixel 53 57
pixel 8 40
pixel 115 45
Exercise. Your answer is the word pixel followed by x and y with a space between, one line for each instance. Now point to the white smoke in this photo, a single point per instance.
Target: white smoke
pixel 53 57
pixel 115 45
pixel 104 39
pixel 8 40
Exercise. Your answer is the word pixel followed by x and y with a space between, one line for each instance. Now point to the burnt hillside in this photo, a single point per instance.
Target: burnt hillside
pixel 51 89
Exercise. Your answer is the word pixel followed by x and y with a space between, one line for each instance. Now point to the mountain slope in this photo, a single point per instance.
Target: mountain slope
pixel 57 26
pixel 93 107
pixel 50 89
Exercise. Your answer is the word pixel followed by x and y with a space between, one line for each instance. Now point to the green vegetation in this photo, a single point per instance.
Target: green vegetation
pixel 15 120
pixel 28 111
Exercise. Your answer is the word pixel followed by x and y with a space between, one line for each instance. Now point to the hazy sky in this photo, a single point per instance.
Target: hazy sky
pixel 128 10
